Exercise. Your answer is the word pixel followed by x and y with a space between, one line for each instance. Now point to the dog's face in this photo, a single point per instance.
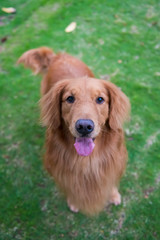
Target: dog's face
pixel 86 106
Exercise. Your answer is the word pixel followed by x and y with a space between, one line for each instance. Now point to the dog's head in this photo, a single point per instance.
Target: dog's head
pixel 86 106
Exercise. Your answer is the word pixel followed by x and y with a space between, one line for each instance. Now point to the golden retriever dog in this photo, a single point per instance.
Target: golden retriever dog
pixel 84 116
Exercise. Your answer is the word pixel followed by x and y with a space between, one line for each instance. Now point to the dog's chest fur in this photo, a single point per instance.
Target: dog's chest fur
pixel 86 181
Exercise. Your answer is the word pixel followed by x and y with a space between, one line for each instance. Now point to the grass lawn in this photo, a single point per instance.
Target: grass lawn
pixel 120 39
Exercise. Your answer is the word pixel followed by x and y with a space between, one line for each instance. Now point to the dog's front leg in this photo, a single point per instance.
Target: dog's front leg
pixel 115 197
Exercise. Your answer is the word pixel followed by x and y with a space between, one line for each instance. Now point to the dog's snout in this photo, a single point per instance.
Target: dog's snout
pixel 84 126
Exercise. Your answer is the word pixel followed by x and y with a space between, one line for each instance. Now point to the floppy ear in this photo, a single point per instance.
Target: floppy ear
pixel 119 106
pixel 37 59
pixel 50 105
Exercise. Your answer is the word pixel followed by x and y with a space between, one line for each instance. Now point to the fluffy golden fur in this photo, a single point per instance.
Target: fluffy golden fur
pixel 88 182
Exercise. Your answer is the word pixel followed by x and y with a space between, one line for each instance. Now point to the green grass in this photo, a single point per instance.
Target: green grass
pixel 31 208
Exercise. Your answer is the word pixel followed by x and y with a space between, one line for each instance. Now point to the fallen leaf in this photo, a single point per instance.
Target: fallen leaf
pixel 119 61
pixel 4 39
pixel 71 27
pixel 9 10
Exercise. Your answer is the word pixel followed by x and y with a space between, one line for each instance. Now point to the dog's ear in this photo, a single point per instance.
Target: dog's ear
pixel 50 105
pixel 37 59
pixel 119 106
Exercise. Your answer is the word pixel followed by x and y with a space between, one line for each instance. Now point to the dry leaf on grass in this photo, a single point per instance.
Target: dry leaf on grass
pixel 119 61
pixel 9 10
pixel 71 27
pixel 4 39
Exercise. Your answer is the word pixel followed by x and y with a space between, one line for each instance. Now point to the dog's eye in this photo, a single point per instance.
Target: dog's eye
pixel 70 99
pixel 99 100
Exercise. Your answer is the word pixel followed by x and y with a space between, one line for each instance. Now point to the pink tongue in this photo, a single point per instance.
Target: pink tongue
pixel 84 146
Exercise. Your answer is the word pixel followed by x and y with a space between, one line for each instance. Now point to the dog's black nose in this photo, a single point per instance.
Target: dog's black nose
pixel 84 126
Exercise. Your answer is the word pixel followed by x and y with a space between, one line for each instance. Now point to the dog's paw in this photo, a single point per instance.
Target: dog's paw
pixel 115 198
pixel 72 207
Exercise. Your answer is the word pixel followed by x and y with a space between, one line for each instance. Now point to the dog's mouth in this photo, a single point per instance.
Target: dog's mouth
pixel 84 145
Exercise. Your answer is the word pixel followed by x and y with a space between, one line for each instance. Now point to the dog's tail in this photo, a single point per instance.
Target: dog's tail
pixel 37 59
